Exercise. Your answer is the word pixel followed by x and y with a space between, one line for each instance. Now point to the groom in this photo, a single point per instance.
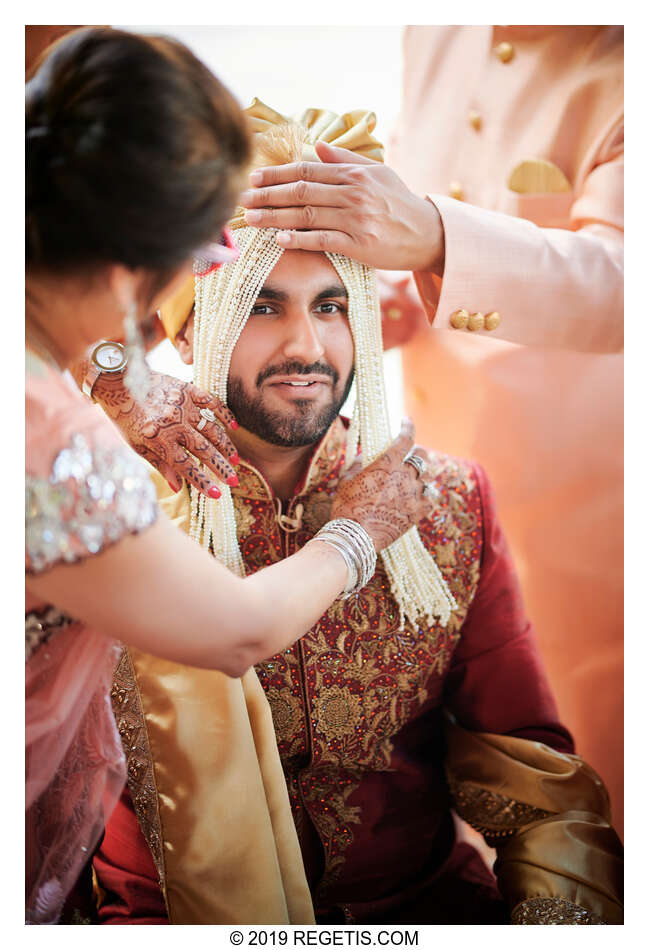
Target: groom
pixel 381 727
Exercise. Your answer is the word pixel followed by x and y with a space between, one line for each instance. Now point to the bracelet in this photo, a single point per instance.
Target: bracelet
pixel 353 542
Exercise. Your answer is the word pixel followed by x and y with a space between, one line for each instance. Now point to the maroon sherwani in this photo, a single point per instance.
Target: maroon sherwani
pixel 358 708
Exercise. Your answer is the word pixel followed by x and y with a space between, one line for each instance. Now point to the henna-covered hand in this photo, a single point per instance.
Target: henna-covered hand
pixel 163 430
pixel 387 497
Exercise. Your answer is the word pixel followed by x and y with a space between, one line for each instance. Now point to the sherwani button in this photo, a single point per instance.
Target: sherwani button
pixel 476 321
pixel 393 313
pixel 459 319
pixel 492 320
pixel 456 191
pixel 504 52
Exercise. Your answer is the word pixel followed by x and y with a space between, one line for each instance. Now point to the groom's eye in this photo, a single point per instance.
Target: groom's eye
pixel 261 309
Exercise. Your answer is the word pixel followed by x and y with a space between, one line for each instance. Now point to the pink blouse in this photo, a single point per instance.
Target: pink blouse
pixel 85 489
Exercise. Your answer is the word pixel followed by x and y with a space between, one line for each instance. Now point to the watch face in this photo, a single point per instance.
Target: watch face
pixel 109 356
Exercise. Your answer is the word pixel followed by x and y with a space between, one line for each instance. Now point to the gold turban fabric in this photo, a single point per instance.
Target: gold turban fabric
pixel 352 131
pixel 176 309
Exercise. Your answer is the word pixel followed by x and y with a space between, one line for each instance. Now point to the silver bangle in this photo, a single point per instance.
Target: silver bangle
pixel 353 542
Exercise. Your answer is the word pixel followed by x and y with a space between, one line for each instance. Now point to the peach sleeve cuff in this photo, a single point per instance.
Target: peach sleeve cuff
pixel 551 287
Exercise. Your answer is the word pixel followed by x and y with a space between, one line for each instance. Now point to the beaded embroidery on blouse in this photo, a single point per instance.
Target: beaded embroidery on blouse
pixel 93 497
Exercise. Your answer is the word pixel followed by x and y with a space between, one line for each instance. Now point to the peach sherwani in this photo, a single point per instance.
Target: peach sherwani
pixel 538 400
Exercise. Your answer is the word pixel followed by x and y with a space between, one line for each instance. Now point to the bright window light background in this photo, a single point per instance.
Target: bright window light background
pixel 290 69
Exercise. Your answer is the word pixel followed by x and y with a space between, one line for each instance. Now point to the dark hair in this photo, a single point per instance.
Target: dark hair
pixel 134 153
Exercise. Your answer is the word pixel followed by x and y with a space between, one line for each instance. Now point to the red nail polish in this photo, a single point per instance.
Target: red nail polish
pixel 234 458
pixel 234 424
pixel 214 492
pixel 233 480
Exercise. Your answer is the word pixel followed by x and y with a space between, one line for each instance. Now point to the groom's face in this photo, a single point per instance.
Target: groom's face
pixel 292 366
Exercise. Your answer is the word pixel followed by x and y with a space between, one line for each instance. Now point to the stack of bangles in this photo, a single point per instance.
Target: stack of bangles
pixel 357 548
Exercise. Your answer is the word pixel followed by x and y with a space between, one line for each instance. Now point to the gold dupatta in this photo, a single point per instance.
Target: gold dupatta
pixel 208 787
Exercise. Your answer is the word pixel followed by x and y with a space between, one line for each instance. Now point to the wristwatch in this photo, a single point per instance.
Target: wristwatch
pixel 107 357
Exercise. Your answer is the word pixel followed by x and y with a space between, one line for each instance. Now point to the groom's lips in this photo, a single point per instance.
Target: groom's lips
pixel 301 386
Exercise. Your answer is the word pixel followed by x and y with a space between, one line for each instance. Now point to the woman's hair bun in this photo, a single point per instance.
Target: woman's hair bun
pixel 135 152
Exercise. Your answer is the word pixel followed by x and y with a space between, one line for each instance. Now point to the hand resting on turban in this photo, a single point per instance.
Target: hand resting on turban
pixel 347 204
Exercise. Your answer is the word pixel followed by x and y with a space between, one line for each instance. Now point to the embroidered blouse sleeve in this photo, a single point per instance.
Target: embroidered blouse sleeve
pixel 83 490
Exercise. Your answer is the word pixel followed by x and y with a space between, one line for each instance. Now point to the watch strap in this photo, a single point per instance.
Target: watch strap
pixel 91 378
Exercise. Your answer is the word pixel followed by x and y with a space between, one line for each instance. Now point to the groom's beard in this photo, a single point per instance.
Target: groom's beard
pixel 303 421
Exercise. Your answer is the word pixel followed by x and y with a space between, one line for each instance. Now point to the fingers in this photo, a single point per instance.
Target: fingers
pixel 186 468
pixel 217 435
pixel 310 217
pixel 326 174
pixel 354 469
pixel 206 400
pixel 296 193
pixel 174 481
pixel 205 452
pixel 335 242
pixel 404 441
pixel 395 453
pixel 166 470
pixel 333 153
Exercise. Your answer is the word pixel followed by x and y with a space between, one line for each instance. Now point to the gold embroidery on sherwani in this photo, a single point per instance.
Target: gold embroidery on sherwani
pixel 352 683
pixel 129 715
pixel 340 694
pixel 286 710
pixel 335 818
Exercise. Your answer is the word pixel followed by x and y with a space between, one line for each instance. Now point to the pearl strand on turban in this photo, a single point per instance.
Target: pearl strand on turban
pixel 224 299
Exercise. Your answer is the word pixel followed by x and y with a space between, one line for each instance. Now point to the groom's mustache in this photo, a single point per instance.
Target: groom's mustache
pixel 295 368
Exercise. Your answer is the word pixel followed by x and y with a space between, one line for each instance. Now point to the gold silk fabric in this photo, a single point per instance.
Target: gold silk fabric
pixel 208 788
pixel 548 815
pixel 352 130
pixel 176 309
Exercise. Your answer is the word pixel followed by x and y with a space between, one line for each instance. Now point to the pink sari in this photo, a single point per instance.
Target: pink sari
pixel 84 490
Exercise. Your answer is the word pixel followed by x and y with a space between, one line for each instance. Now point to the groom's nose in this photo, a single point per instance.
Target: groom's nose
pixel 302 339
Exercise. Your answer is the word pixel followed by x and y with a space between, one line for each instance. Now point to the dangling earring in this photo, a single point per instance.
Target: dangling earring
pixel 137 378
